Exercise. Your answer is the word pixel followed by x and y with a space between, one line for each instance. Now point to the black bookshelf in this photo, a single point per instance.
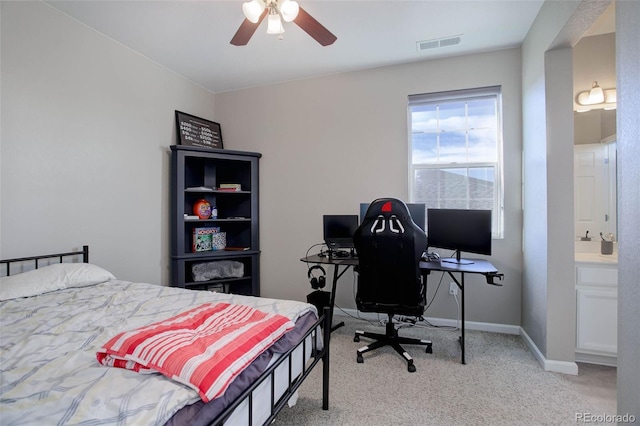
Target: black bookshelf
pixel 197 173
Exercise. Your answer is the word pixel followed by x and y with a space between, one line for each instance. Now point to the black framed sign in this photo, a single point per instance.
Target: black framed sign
pixel 196 131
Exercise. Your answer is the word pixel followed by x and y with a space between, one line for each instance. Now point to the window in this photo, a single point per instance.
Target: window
pixel 455 150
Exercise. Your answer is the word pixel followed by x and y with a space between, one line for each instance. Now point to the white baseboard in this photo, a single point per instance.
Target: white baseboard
pixel 444 322
pixel 588 358
pixel 564 367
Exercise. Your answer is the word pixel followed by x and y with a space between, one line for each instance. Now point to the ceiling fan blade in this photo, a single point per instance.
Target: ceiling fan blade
pixel 314 28
pixel 246 30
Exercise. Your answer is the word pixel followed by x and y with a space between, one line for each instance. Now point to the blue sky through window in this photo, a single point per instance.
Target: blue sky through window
pixel 455 132
pixel 455 151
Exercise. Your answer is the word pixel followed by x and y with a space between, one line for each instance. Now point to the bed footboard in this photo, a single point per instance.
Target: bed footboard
pixel 323 323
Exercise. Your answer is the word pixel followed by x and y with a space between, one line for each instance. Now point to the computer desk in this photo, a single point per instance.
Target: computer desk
pixel 479 266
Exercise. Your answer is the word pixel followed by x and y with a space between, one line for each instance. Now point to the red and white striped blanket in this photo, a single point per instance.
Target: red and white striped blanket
pixel 204 348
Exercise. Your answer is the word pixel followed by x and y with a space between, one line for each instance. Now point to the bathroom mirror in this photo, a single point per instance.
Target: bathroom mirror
pixel 595 200
pixel 595 171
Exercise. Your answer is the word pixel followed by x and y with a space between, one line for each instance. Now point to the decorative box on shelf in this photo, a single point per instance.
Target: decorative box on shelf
pixel 203 238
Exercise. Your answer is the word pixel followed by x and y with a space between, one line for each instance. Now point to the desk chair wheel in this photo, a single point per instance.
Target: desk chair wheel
pixel 411 367
pixel 360 360
pixel 356 338
pixel 429 350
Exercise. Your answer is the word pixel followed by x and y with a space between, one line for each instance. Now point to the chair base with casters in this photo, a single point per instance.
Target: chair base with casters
pixel 390 338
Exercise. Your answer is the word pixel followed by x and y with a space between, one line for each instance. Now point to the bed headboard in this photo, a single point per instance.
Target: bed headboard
pixel 84 252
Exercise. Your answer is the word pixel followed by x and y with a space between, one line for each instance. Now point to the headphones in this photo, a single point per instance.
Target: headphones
pixel 318 282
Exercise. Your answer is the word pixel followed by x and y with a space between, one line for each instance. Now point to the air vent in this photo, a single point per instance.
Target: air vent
pixel 439 42
pixel 429 44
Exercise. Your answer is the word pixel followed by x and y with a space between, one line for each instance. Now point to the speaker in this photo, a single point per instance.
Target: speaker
pixel 317 282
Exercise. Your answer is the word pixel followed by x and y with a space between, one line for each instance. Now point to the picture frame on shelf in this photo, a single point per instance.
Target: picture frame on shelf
pixel 197 131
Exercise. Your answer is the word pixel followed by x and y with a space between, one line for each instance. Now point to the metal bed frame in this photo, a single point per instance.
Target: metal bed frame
pixel 323 323
pixel 84 252
pixel 276 406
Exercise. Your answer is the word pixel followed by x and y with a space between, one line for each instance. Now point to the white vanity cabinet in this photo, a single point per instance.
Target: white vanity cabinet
pixel 597 312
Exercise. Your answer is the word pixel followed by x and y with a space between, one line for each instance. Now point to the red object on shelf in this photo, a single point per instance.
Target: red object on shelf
pixel 202 209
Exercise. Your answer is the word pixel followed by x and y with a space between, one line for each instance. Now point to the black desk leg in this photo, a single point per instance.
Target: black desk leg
pixel 336 276
pixel 462 326
pixel 337 326
pixel 460 285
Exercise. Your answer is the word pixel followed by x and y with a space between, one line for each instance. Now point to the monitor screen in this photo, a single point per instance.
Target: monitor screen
pixel 339 230
pixel 417 212
pixel 461 230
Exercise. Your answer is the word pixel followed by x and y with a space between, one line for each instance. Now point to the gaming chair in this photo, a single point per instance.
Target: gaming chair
pixel 389 246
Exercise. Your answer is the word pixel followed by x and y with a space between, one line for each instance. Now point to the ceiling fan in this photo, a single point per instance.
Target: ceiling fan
pixel 278 10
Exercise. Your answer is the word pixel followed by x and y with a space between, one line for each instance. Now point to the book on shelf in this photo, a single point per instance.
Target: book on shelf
pixel 230 187
pixel 203 238
pixel 237 248
pixel 199 188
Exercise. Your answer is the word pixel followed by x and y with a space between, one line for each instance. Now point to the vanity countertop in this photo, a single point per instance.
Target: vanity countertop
pixel 608 259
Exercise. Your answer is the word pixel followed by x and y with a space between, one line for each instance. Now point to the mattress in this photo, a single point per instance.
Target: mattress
pixel 50 373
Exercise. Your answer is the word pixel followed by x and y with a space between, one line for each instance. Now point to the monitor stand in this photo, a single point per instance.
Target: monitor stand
pixel 456 260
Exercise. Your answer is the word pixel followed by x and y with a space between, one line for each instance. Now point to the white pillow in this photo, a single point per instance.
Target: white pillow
pixel 51 278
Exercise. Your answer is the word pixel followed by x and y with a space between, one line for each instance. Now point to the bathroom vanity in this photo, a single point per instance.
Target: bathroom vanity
pixel 596 307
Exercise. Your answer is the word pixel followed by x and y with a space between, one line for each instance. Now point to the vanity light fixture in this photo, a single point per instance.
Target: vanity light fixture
pixel 596 98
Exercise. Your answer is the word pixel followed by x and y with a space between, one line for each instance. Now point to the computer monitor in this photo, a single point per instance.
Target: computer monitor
pixel 417 212
pixel 339 230
pixel 460 230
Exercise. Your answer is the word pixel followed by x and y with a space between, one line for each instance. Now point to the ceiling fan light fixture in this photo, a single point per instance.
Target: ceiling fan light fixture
pixel 288 9
pixel 253 9
pixel 274 24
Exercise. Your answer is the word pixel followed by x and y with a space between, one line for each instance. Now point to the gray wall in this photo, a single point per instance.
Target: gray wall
pixel 593 126
pixel 548 303
pixel 561 306
pixel 549 22
pixel 628 83
pixel 558 25
pixel 330 143
pixel 86 129
pixel 86 124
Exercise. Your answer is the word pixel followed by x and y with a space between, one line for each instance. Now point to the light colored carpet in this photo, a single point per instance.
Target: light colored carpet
pixel 501 384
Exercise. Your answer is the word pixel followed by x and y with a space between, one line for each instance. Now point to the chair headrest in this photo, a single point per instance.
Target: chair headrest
pixel 387 215
pixel 387 207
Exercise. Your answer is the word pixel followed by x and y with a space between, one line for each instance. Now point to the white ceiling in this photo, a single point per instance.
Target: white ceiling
pixel 192 37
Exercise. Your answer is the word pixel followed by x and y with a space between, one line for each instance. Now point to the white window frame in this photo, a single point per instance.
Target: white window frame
pixel 494 92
